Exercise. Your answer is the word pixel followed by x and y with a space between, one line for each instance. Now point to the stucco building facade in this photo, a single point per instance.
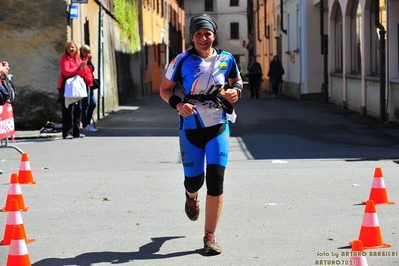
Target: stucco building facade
pixel 231 17
pixel 333 51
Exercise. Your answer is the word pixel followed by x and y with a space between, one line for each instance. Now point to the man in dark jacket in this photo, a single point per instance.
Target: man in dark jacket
pixel 276 71
pixel 255 77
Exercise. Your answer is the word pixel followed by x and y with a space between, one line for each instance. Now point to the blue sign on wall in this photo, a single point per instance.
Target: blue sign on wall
pixel 73 11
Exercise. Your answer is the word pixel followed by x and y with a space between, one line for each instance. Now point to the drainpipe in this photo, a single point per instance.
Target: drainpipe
pixel 142 45
pixel 324 51
pixel 265 19
pixel 71 21
pixel 251 28
pixel 382 60
pixel 257 22
pixel 281 17
pixel 100 91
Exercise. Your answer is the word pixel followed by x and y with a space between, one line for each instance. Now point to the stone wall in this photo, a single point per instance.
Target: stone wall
pixel 33 34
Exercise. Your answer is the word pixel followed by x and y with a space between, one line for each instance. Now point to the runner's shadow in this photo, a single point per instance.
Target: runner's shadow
pixel 146 252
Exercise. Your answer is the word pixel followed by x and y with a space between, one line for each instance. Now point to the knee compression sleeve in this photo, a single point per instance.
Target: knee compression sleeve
pixel 193 184
pixel 214 179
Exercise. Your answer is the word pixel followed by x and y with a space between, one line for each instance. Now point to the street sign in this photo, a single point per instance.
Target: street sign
pixel 80 1
pixel 73 11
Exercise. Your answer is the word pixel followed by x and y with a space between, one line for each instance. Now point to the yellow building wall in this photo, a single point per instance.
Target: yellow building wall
pixel 153 32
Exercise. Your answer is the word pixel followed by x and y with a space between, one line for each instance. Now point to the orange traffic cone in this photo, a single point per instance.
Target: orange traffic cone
pixel 25 173
pixel 378 192
pixel 370 233
pixel 358 257
pixel 18 254
pixel 14 192
pixel 14 218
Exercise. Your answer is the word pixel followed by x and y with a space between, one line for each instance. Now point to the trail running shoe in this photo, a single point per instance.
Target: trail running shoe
pixel 210 245
pixel 192 208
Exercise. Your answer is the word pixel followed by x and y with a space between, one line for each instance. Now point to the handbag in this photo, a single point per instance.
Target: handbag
pixel 75 90
pixel 96 84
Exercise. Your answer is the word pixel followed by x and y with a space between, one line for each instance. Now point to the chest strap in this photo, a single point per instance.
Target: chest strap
pixel 215 97
pixel 200 97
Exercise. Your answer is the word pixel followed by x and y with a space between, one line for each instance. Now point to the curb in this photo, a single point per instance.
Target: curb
pixel 21 135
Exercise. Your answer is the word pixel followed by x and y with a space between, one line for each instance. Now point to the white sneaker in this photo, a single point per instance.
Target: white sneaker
pixel 90 128
pixel 93 128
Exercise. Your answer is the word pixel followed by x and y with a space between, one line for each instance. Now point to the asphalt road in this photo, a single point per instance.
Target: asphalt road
pixel 297 175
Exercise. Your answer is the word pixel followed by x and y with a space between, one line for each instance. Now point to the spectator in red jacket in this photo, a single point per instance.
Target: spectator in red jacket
pixel 70 65
pixel 4 67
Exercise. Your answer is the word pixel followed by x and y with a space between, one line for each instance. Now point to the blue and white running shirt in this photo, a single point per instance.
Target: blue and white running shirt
pixel 199 75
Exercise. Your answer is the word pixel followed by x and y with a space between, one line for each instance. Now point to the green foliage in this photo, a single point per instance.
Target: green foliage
pixel 126 13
